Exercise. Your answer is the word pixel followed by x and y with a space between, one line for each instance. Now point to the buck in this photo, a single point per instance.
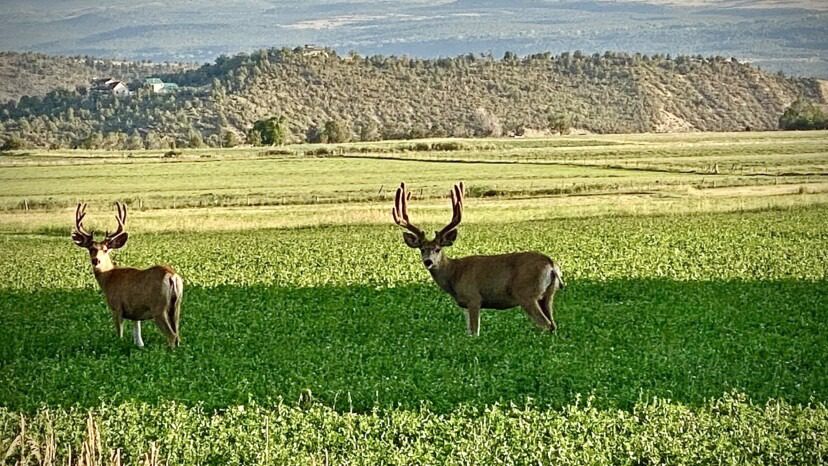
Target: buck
pixel 525 279
pixel 132 294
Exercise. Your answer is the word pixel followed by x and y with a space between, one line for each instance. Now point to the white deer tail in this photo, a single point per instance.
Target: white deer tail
pixel 174 310
pixel 556 276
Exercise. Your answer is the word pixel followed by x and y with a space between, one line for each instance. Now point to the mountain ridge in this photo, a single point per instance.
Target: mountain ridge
pixel 400 97
pixel 778 35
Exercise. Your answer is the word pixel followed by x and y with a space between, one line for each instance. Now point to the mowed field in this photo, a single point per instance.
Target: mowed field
pixel 691 331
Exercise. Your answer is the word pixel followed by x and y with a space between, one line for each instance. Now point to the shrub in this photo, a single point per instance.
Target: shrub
pixel 803 115
pixel 448 146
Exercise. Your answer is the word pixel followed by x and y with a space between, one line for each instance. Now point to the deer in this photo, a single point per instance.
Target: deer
pixel 132 294
pixel 503 281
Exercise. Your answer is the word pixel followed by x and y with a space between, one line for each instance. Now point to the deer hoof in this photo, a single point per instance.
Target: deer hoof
pixel 552 327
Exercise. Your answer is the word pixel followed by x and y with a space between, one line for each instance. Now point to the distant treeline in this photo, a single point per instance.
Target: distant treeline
pixel 312 94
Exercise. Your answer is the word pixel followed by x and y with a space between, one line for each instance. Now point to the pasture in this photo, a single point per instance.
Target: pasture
pixel 692 328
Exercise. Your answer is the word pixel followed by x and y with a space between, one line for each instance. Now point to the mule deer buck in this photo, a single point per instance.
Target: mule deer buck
pixel 525 279
pixel 132 294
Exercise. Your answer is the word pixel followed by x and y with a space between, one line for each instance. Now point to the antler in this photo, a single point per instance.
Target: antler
pixel 400 211
pixel 80 236
pixel 456 207
pixel 121 218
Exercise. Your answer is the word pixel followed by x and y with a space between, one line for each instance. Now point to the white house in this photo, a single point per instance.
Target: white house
pixel 112 86
pixel 156 86
pixel 118 88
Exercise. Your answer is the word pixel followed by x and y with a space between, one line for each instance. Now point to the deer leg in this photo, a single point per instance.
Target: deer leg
pixel 545 304
pixel 473 320
pixel 136 334
pixel 534 311
pixel 163 323
pixel 119 323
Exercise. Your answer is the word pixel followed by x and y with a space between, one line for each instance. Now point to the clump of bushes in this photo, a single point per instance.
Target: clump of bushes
pixel 319 152
pixel 483 191
pixel 278 152
pixel 448 146
pixel 803 115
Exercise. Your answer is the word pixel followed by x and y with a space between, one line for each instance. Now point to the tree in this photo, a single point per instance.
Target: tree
pixel 369 131
pixel 486 124
pixel 315 135
pixel 229 139
pixel 559 122
pixel 134 141
pixel 337 131
pixel 254 137
pixel 13 143
pixel 194 138
pixel 803 115
pixel 153 141
pixel 271 131
pixel 93 141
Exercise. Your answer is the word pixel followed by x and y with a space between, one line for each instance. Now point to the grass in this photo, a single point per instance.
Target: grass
pixel 729 430
pixel 311 335
pixel 679 307
pixel 363 172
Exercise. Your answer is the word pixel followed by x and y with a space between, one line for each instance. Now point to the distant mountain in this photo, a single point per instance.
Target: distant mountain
pixel 787 35
pixel 318 92
pixel 35 74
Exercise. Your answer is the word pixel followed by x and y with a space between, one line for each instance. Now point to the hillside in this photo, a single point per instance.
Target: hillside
pixel 36 74
pixel 391 97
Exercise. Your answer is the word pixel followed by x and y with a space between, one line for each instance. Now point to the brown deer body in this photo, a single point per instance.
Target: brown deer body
pixel 132 294
pixel 525 279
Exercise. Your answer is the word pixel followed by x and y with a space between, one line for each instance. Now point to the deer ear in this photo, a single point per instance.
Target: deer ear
pixel 411 240
pixel 448 238
pixel 118 241
pixel 78 239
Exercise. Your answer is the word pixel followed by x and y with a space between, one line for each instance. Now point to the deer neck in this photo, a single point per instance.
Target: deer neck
pixel 102 275
pixel 443 274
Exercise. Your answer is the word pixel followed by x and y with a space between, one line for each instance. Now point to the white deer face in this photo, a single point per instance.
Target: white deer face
pixel 99 255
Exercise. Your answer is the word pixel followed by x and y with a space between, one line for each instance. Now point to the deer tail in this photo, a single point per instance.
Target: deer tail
pixel 176 294
pixel 556 276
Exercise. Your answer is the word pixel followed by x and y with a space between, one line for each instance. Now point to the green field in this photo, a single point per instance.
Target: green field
pixel 692 329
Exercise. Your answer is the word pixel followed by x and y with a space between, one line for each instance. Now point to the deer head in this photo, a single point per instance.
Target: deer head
pixel 99 250
pixel 431 251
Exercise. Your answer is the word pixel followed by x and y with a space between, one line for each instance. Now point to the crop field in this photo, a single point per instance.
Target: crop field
pixel 691 331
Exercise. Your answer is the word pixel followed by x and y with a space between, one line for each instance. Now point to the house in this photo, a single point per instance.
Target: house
pixel 154 84
pixel 110 85
pixel 119 89
pixel 101 84
pixel 157 86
